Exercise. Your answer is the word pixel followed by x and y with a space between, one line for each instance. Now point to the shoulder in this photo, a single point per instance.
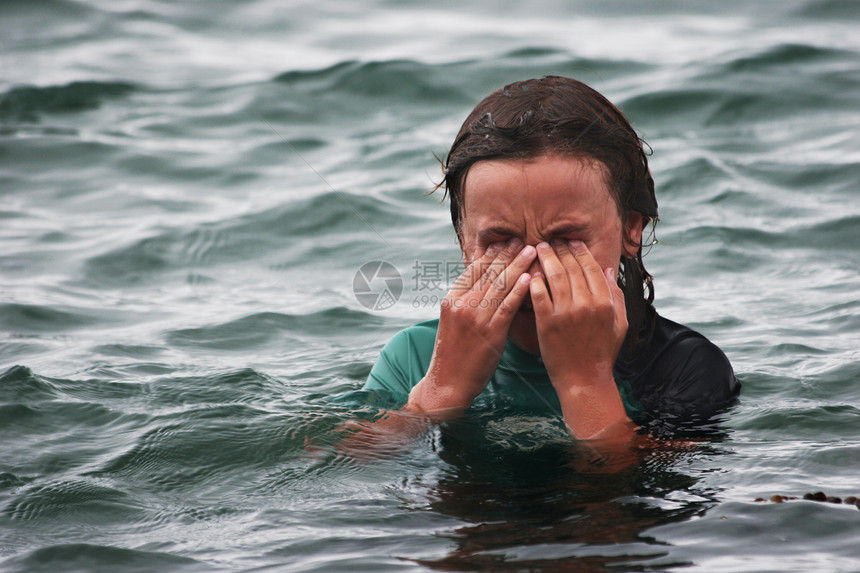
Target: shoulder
pixel 416 338
pixel 680 375
pixel 404 359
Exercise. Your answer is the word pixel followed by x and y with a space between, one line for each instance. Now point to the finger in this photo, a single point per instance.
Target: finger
pixel 541 300
pixel 616 296
pixel 473 271
pixel 491 251
pixel 494 268
pixel 556 275
pixel 512 302
pixel 502 285
pixel 570 264
pixel 611 277
pixel 592 274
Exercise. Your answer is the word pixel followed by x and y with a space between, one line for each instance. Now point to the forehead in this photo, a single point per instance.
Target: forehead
pixel 537 192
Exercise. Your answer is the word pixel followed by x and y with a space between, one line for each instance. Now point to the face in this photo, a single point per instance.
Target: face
pixel 540 200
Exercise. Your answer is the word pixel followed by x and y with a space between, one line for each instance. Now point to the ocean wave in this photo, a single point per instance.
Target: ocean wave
pixel 242 238
pixel 807 421
pixel 744 88
pixel 840 10
pixel 70 497
pixel 27 104
pixel 395 80
pixel 32 318
pixel 93 557
pixel 788 57
pixel 20 383
pixel 270 328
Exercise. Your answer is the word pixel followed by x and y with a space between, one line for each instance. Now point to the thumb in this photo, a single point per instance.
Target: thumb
pixel 611 276
pixel 616 296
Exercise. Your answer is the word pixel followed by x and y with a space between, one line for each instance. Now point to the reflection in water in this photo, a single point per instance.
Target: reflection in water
pixel 530 507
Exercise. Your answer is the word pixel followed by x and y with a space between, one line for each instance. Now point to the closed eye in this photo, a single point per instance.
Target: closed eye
pixel 569 233
pixel 487 237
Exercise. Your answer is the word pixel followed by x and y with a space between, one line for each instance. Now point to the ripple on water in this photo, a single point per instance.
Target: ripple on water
pixel 272 329
pixel 238 239
pixel 189 412
pixel 91 557
pixel 85 500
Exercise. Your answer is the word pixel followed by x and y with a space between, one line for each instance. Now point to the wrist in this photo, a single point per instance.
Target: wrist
pixel 591 405
pixel 591 379
pixel 439 398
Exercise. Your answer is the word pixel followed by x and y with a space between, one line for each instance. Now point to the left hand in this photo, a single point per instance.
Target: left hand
pixel 581 324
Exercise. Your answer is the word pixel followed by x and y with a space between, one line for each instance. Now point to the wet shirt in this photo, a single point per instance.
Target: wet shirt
pixel 675 383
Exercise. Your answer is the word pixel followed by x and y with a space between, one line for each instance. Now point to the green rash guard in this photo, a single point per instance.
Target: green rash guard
pixel 520 381
pixel 676 383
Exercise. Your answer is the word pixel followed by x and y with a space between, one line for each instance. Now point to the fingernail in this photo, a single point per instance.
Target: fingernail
pixel 543 245
pixel 515 243
pixel 575 244
pixel 528 251
pixel 557 243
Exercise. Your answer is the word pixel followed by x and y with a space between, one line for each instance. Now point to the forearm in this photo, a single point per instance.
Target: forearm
pixel 593 410
pixel 439 399
pixel 428 402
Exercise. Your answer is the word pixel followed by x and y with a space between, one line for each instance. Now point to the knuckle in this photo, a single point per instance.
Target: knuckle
pixel 551 327
pixel 456 307
pixel 490 274
pixel 589 265
pixel 540 296
pixel 555 272
pixel 504 309
pixel 603 311
pixel 463 282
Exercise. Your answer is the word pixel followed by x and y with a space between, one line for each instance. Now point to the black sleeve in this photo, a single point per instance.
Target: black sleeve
pixel 682 380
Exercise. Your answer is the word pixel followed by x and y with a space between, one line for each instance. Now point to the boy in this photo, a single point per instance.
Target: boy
pixel 550 191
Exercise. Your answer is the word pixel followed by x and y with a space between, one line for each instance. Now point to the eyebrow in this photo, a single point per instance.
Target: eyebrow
pixel 501 231
pixel 497 231
pixel 570 229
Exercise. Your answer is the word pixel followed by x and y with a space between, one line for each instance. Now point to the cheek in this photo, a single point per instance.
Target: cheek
pixel 470 252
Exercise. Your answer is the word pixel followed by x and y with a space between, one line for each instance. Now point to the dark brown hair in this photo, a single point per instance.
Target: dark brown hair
pixel 562 116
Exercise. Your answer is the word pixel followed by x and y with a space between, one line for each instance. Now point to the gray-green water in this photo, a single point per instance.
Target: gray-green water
pixel 188 189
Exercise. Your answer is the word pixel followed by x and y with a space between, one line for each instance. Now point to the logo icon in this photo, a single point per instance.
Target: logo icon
pixel 377 285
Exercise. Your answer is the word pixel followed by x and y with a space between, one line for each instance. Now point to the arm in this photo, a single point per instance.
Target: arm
pixel 581 322
pixel 683 381
pixel 473 327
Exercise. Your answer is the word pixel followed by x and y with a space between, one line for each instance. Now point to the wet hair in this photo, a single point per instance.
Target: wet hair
pixel 564 117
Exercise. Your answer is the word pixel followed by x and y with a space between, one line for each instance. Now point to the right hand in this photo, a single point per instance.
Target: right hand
pixel 473 327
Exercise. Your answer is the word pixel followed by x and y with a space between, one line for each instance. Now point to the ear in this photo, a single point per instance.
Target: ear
pixel 633 234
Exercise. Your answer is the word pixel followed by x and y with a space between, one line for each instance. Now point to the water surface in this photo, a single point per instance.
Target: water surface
pixel 187 191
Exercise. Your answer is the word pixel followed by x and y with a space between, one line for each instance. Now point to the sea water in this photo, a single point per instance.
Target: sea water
pixel 188 191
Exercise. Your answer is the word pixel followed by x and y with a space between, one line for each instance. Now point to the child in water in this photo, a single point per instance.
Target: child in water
pixel 550 191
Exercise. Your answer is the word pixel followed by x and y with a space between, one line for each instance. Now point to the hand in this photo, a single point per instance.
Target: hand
pixel 581 323
pixel 473 327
